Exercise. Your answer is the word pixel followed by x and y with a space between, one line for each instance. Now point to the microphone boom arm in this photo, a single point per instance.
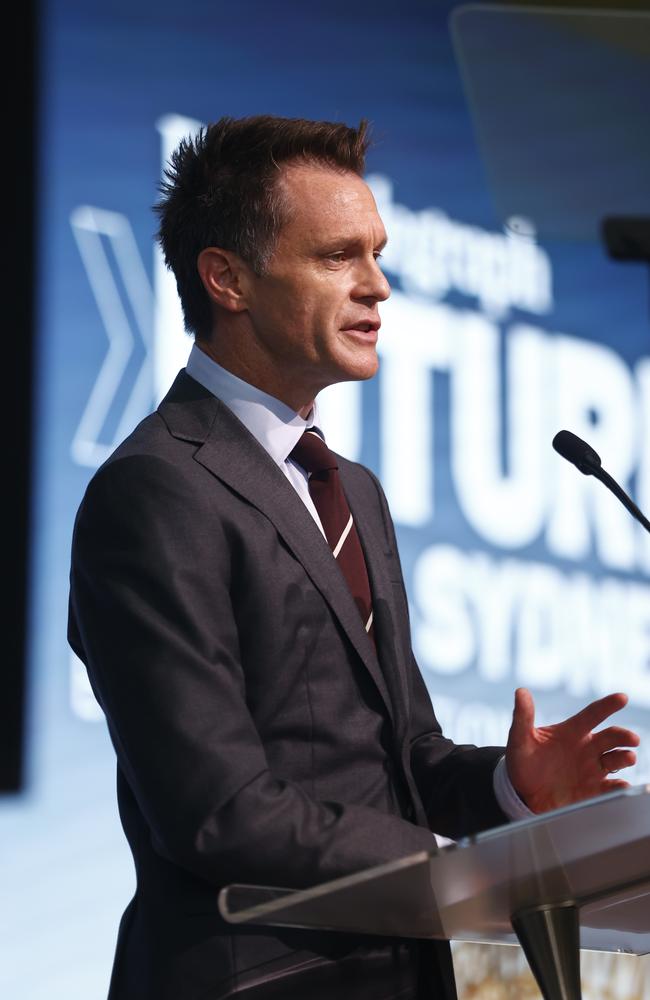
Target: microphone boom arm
pixel 620 493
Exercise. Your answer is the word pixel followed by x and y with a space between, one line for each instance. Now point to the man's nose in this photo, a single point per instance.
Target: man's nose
pixel 373 283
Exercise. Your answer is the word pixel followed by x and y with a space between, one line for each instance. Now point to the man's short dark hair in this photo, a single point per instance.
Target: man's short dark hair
pixel 220 189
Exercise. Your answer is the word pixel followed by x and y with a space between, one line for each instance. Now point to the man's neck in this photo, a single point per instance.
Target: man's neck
pixel 264 381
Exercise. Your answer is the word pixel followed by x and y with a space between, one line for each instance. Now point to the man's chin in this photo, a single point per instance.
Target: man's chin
pixel 358 363
pixel 360 371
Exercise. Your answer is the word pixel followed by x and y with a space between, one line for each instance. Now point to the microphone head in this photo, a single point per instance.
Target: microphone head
pixel 575 450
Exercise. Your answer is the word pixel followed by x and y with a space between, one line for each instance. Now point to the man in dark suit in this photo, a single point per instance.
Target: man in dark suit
pixel 269 726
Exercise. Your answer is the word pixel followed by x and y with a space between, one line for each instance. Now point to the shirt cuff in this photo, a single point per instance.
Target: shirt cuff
pixel 506 796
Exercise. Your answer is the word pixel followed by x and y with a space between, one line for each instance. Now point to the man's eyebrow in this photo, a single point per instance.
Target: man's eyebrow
pixel 337 242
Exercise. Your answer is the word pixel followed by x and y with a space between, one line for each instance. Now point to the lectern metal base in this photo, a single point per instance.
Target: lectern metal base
pixel 550 938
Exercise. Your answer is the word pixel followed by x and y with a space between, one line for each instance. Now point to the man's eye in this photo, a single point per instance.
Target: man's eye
pixel 378 255
pixel 338 256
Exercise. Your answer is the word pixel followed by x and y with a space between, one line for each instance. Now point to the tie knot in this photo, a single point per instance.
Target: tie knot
pixel 313 454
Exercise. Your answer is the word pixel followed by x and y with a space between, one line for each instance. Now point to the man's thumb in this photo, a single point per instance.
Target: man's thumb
pixel 523 716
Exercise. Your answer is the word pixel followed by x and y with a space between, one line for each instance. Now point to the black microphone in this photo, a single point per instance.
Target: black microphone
pixel 583 456
pixel 575 450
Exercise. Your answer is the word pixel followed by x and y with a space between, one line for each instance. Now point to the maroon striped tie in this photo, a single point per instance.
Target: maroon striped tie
pixel 326 491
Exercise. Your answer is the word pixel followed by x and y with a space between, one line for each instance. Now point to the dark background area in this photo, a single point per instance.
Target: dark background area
pixel 19 86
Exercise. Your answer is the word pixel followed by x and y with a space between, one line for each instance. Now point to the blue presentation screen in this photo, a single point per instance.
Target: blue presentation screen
pixel 520 572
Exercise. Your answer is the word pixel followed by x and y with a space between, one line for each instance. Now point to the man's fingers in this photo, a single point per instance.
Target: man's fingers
pixel 617 759
pixel 614 785
pixel 613 737
pixel 595 713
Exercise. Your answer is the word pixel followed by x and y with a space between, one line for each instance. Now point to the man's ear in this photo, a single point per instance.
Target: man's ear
pixel 221 272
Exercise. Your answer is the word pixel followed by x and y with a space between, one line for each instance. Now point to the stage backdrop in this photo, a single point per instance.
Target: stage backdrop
pixel 519 570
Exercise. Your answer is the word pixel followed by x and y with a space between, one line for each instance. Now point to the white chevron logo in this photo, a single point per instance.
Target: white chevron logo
pixel 95 231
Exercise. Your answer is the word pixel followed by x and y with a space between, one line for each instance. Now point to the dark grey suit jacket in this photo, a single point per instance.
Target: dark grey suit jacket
pixel 258 736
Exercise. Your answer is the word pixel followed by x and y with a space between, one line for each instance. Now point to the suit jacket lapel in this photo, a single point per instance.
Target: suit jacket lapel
pixel 391 657
pixel 232 454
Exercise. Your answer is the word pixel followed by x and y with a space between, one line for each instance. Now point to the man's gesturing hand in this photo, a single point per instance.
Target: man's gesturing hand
pixel 552 766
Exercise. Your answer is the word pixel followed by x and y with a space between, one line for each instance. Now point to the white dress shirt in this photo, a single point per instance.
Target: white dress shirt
pixel 278 429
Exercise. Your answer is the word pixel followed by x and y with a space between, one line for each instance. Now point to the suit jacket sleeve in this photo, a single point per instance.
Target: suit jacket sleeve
pixel 160 640
pixel 454 781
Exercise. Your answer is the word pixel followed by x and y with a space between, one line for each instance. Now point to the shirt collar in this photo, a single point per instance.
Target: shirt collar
pixel 275 425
